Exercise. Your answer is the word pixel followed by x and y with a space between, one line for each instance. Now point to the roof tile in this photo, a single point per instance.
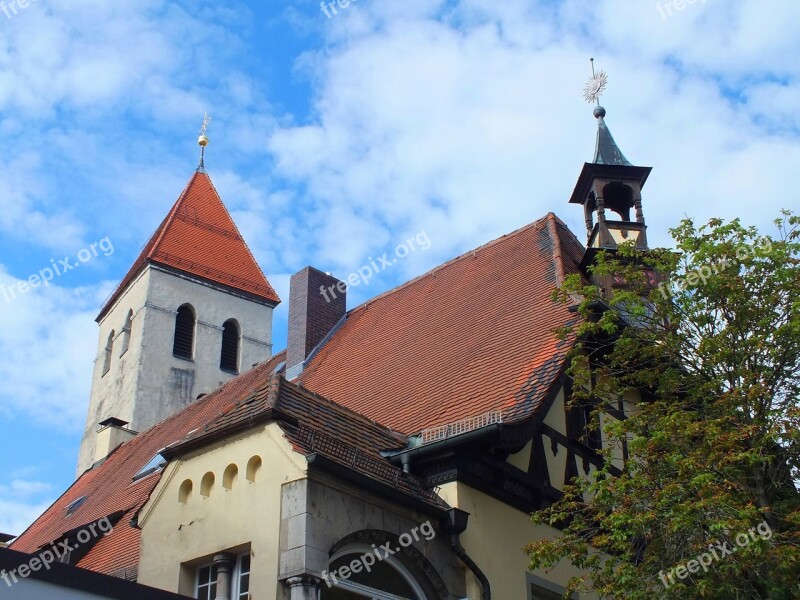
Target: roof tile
pixel 199 237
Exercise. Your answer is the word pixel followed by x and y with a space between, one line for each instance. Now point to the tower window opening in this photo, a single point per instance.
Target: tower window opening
pixel 109 349
pixel 229 356
pixel 126 333
pixel 183 342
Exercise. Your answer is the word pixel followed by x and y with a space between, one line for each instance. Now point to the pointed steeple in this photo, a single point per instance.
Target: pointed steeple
pixel 199 237
pixel 606 150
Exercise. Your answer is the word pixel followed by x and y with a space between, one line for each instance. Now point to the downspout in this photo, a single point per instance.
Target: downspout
pixel 455 524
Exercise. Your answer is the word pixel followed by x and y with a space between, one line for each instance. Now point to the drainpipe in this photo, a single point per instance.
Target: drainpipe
pixel 455 524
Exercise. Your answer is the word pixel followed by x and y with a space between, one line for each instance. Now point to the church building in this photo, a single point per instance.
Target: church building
pixel 391 451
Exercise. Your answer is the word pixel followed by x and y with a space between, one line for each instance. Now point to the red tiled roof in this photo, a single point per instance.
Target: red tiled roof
pixel 110 487
pixel 315 425
pixel 471 336
pixel 199 237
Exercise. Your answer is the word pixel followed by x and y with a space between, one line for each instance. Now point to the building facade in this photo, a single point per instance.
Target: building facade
pixel 395 450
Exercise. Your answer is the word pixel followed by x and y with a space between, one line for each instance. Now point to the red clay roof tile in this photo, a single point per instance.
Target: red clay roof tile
pixel 471 336
pixel 199 237
pixel 109 487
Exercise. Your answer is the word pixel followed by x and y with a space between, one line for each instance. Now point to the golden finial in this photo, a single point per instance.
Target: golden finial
pixel 203 142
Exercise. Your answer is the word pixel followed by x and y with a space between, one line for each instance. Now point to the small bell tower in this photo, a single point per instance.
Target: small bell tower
pixel 609 183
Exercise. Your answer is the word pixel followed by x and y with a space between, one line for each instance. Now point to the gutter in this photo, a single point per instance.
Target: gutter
pixel 403 457
pixel 455 524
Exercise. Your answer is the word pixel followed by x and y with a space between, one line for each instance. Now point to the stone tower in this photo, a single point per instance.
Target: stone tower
pixel 194 310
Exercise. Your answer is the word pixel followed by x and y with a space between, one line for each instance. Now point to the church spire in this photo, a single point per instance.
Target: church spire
pixel 610 183
pixel 606 151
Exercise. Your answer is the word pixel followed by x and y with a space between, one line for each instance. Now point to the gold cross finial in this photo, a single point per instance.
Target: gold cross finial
pixel 203 142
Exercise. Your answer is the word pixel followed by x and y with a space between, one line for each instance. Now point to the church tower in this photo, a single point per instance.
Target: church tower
pixel 193 311
pixel 609 183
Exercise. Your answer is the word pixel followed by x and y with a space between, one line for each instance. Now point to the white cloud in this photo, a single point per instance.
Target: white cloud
pixel 48 339
pixel 21 501
pixel 468 121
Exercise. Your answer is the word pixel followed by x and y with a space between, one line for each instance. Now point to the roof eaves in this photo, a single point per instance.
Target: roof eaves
pixel 435 508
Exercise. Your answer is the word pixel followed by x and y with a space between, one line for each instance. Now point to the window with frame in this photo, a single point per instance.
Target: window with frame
pixel 541 589
pixel 206 580
pixel 206 585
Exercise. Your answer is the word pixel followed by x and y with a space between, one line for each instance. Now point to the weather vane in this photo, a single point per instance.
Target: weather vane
pixel 203 142
pixel 596 86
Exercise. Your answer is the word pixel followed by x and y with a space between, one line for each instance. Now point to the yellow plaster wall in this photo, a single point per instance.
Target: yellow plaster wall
pixel 503 561
pixel 176 534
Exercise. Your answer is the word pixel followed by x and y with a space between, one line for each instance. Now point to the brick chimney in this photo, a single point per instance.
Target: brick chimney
pixel 317 302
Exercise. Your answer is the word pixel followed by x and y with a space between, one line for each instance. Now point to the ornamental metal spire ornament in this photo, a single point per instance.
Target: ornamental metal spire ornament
pixel 606 151
pixel 595 86
pixel 202 141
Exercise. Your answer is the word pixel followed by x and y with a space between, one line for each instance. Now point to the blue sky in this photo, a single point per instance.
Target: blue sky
pixel 333 140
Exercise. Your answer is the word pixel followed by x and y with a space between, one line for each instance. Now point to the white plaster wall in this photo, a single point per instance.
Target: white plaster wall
pixel 147 384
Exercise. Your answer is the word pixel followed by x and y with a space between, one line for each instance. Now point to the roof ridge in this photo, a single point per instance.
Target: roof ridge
pixel 170 216
pixel 558 262
pixel 448 263
pixel 236 229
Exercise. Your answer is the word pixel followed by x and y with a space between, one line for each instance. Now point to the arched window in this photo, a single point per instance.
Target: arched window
pixel 253 468
pixel 126 333
pixel 207 484
pixel 229 357
pixel 185 491
pixel 183 343
pixel 109 350
pixel 230 476
pixel 386 579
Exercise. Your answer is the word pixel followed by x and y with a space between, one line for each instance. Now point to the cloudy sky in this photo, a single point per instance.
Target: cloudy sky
pixel 336 139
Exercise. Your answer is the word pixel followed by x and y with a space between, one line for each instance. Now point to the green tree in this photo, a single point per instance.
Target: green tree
pixel 712 342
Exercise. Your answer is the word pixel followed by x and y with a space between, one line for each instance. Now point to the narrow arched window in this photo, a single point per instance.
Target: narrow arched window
pixel 126 333
pixel 229 356
pixel 183 343
pixel 109 350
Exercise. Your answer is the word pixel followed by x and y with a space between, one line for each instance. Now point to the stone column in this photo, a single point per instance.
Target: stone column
pixel 303 587
pixel 224 564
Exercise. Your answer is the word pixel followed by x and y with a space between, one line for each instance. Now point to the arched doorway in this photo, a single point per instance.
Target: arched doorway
pixel 385 579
